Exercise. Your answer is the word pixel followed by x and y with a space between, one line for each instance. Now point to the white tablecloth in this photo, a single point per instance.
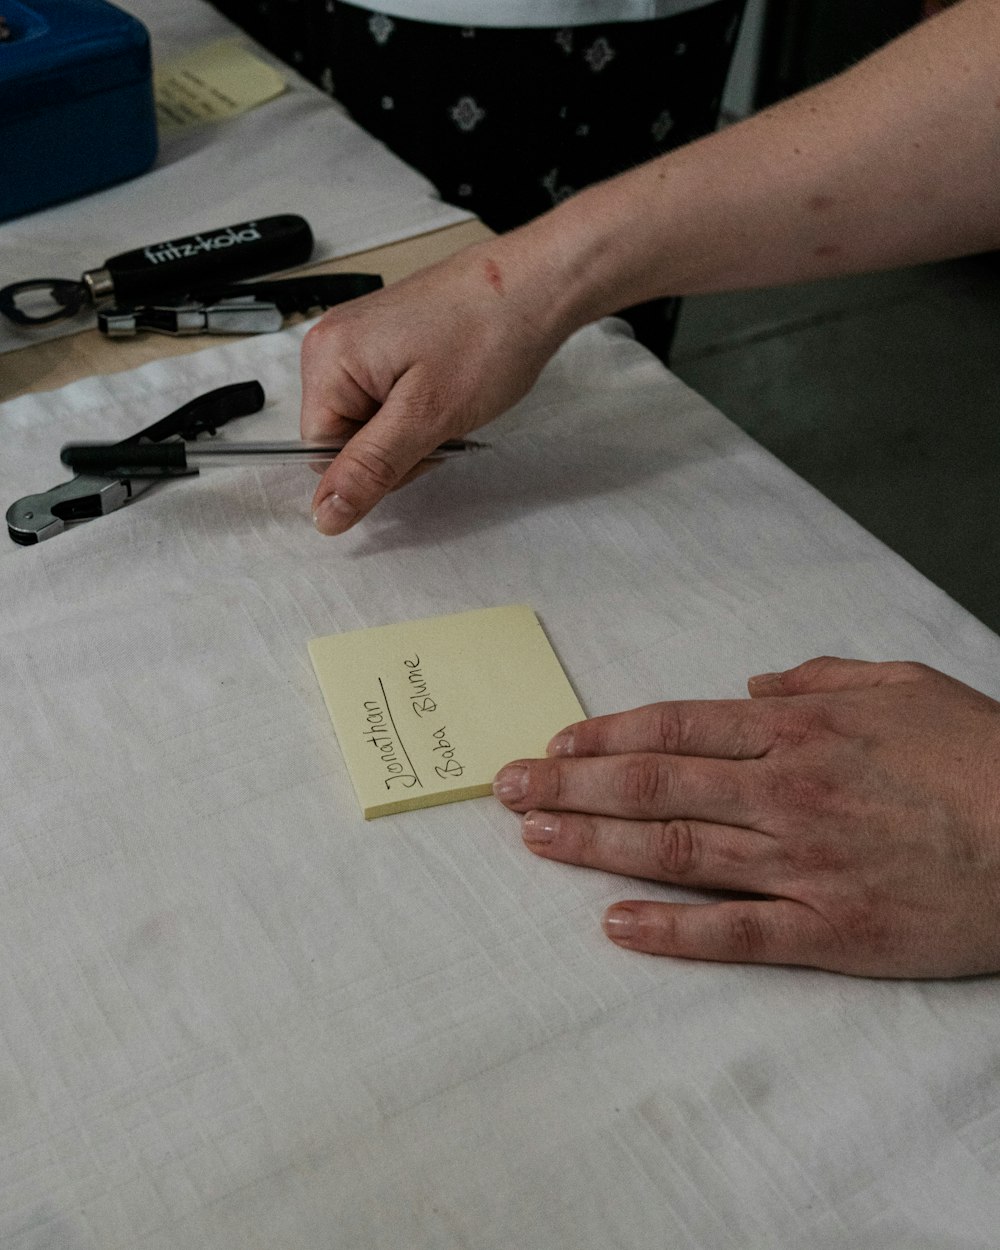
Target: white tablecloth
pixel 298 153
pixel 234 1016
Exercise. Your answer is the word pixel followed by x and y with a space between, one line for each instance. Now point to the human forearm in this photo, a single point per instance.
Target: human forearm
pixel 894 162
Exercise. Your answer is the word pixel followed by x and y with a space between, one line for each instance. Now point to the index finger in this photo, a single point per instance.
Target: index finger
pixel 732 729
pixel 638 787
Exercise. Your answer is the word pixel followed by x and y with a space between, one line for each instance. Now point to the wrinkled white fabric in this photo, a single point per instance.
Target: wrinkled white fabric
pixel 234 1016
pixel 298 153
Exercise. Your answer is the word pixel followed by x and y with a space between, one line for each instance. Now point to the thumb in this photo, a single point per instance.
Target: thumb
pixel 828 673
pixel 376 459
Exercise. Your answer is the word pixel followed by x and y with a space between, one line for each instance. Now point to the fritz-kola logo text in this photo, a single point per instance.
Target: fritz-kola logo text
pixel 199 243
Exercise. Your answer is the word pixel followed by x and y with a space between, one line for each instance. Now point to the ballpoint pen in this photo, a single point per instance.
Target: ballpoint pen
pixel 178 458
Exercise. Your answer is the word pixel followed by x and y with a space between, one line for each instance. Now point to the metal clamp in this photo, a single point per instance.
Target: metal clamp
pixel 34 518
pixel 238 308
pixel 243 314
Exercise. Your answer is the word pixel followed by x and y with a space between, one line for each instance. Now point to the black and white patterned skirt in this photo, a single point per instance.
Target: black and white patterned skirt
pixel 509 121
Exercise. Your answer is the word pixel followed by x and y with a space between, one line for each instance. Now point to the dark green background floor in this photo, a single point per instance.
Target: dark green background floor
pixel 884 392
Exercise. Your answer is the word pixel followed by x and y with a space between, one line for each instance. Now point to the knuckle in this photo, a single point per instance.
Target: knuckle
pixel 547 783
pixel 643 783
pixel 316 340
pixel 798 795
pixel 801 723
pixel 668 728
pixel 811 857
pixel 374 467
pixel 583 836
pixel 313 338
pixel 747 937
pixel 675 728
pixel 809 671
pixel 665 933
pixel 425 394
pixel 855 924
pixel 674 849
pixel 423 400
pixel 311 344
pixel 810 795
pixel 909 670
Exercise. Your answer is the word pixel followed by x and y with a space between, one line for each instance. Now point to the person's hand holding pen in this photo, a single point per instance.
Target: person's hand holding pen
pixel 854 807
pixel 892 163
pixel 433 357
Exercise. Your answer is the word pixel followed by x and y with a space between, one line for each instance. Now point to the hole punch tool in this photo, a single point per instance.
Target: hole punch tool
pixel 37 517
pixel 174 267
pixel 240 308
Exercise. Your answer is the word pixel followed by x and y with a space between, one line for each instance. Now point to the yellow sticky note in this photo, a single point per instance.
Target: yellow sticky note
pixel 427 711
pixel 211 84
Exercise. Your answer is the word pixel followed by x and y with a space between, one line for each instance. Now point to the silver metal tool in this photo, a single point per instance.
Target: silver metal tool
pixel 37 517
pixel 241 315
pixel 239 308
pixel 34 518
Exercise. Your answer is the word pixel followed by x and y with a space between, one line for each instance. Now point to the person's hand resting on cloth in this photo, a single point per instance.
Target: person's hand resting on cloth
pixel 858 803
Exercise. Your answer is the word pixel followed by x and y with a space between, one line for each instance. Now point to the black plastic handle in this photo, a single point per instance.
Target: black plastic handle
pixel 205 413
pixel 126 459
pixel 227 254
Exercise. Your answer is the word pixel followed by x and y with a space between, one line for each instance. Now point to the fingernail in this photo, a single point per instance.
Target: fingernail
pixel 562 743
pixel 333 515
pixel 765 681
pixel 511 783
pixel 620 923
pixel 539 827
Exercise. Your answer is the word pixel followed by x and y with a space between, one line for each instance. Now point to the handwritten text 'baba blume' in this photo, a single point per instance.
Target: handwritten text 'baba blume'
pixel 380 733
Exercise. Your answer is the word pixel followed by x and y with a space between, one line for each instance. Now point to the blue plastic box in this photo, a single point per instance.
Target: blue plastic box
pixel 76 101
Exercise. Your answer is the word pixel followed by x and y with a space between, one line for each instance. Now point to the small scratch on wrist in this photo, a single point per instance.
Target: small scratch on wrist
pixel 494 277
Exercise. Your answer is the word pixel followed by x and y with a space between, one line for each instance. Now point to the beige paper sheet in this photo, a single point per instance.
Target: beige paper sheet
pixel 211 84
pixel 428 711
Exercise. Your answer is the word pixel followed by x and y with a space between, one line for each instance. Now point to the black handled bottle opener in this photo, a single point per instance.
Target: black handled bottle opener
pixel 172 267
